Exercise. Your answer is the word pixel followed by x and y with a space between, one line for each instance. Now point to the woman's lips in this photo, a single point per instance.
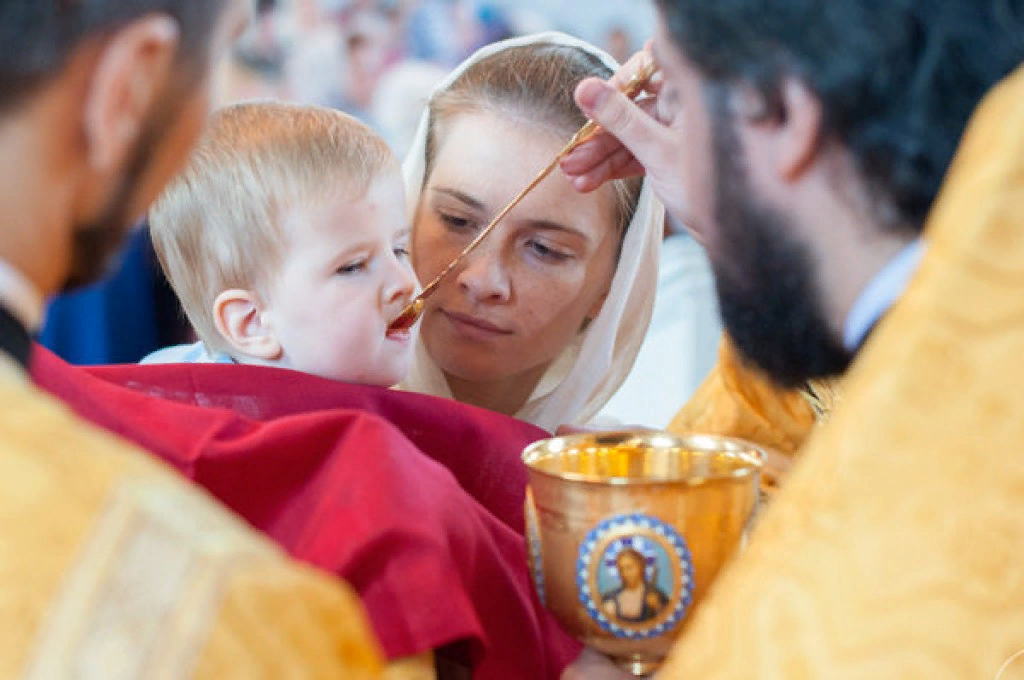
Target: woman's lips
pixel 474 326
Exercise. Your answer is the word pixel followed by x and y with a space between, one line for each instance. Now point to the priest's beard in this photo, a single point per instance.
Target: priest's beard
pixel 765 279
pixel 96 245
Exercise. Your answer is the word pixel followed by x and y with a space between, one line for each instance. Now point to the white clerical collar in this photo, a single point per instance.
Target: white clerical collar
pixel 881 294
pixel 21 297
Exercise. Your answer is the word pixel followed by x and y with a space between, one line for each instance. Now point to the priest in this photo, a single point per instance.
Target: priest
pixel 808 147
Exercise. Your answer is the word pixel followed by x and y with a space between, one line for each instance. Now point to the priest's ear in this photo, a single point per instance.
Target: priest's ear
pixel 780 128
pixel 238 316
pixel 132 68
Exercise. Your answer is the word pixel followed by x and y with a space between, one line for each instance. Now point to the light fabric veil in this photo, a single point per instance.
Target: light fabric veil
pixel 591 369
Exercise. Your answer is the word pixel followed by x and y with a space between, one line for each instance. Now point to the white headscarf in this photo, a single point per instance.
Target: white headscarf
pixel 580 381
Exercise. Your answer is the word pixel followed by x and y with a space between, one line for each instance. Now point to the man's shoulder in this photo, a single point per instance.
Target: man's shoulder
pixel 103 544
pixel 39 433
pixel 67 487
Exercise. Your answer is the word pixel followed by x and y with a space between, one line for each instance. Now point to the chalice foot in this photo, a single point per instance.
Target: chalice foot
pixel 638 667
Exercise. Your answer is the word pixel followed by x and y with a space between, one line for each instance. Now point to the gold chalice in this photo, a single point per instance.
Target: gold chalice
pixel 627 530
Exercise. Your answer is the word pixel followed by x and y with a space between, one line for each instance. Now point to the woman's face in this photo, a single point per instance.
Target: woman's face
pixel 523 295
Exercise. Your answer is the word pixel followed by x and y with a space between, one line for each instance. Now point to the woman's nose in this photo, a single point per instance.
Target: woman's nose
pixel 484 275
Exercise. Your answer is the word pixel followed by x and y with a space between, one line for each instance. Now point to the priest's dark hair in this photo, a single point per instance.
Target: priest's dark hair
pixel 38 37
pixel 897 79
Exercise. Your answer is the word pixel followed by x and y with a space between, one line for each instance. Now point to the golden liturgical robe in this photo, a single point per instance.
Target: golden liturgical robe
pixel 112 567
pixel 896 547
pixel 737 400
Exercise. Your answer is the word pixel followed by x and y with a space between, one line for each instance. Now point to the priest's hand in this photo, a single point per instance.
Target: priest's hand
pixel 642 137
pixel 591 665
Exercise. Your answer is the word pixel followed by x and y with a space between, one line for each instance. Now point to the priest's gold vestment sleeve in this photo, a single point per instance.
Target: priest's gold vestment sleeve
pixel 736 400
pixel 896 547
pixel 113 567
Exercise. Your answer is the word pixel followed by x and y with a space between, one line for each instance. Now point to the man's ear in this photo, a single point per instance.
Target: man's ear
pixel 800 132
pixel 132 70
pixel 786 128
pixel 238 316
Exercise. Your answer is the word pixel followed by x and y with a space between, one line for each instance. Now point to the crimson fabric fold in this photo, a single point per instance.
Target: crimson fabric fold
pixel 415 501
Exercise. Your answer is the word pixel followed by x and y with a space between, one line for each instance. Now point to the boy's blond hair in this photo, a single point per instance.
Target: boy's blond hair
pixel 218 224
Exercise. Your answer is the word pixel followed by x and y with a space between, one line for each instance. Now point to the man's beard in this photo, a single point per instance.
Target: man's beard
pixel 766 280
pixel 96 245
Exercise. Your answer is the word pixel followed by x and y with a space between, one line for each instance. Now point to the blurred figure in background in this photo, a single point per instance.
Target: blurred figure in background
pixel 618 43
pixel 254 69
pixel 400 98
pixel 366 56
pixel 440 30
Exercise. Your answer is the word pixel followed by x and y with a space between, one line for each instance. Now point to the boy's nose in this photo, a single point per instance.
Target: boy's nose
pixel 401 283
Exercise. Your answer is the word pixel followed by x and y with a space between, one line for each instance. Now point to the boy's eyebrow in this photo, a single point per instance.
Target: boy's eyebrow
pixel 461 196
pixel 351 249
pixel 403 232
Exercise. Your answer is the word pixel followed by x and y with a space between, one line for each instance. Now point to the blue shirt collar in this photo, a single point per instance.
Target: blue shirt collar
pixel 881 294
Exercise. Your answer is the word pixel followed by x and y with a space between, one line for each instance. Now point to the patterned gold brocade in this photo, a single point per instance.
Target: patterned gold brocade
pixel 112 567
pixel 896 547
pixel 738 401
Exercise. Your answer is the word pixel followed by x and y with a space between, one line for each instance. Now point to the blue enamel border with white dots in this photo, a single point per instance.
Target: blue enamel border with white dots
pixel 642 522
pixel 536 564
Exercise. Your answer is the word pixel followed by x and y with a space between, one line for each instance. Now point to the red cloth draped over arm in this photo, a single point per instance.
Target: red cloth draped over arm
pixel 415 501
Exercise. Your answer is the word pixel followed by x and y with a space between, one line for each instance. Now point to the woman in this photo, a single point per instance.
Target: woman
pixel 544 320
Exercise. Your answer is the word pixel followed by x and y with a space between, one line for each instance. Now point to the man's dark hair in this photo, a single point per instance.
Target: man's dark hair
pixel 38 37
pixel 897 79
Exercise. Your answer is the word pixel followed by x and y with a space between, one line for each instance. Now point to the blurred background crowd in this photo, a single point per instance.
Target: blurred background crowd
pixel 379 60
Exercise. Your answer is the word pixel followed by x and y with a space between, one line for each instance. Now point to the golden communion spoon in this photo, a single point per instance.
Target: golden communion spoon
pixel 411 314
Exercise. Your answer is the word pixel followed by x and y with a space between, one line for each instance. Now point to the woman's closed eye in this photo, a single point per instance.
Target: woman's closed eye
pixel 457 223
pixel 546 252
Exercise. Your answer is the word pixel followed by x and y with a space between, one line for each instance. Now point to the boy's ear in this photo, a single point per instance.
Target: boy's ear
pixel 238 316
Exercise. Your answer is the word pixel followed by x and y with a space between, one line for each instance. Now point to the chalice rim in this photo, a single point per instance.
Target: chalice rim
pixel 752 454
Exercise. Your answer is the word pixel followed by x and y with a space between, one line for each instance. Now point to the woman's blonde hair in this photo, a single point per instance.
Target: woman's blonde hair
pixel 218 224
pixel 535 82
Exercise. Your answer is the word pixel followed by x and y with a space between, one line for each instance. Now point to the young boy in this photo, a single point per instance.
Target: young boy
pixel 286 240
